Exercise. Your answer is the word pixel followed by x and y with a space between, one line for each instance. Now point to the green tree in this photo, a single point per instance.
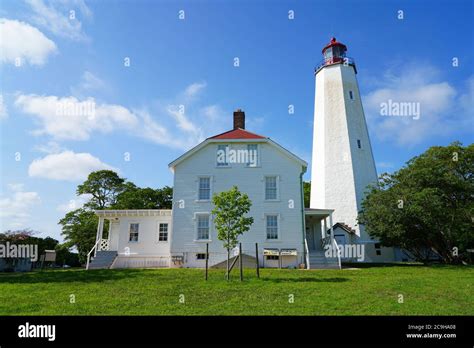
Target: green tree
pixel 79 229
pixel 427 206
pixel 134 197
pixel 104 186
pixel 229 220
pixel 307 193
pixel 64 256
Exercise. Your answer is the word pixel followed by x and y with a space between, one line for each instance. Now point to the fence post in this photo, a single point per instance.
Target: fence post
pixel 207 257
pixel 256 258
pixel 240 262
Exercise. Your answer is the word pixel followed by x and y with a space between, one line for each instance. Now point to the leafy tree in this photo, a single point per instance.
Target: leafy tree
pixel 307 193
pixel 229 219
pixel 79 229
pixel 104 186
pixel 65 257
pixel 427 206
pixel 134 197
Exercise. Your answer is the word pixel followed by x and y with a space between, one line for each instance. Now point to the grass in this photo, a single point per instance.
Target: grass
pixel 435 290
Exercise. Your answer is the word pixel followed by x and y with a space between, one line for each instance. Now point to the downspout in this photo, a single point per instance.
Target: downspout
pixel 303 224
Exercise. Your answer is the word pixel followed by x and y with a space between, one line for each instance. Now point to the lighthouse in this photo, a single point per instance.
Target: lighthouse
pixel 342 160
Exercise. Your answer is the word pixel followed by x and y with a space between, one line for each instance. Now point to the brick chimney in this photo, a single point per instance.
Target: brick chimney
pixel 239 119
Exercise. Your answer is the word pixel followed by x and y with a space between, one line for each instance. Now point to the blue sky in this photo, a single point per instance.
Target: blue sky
pixel 190 62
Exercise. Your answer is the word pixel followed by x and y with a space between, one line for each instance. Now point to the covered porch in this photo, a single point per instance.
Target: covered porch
pixel 319 235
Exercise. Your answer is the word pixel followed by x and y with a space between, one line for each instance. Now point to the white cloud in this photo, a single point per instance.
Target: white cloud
pixel 89 83
pixel 67 165
pixel 194 89
pixel 49 148
pixel 74 203
pixel 74 119
pixel 20 40
pixel 439 109
pixel 15 209
pixel 57 17
pixel 71 118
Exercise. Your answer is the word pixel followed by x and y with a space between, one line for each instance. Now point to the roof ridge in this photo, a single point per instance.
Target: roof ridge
pixel 236 130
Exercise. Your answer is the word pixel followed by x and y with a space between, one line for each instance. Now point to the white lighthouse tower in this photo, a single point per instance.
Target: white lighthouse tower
pixel 343 163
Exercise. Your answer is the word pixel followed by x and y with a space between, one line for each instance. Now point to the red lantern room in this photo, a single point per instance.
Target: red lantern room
pixel 335 53
pixel 335 50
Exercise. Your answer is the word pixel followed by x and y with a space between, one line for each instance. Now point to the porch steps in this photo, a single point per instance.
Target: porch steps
pixel 317 260
pixel 103 259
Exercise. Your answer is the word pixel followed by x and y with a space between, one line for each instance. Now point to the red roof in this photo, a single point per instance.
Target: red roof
pixel 237 134
pixel 334 42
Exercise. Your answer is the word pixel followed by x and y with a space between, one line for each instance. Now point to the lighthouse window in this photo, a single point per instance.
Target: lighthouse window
pixel 358 144
pixel 351 95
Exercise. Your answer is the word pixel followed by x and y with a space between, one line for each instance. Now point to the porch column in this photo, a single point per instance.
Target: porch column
pixel 100 230
pixel 331 225
pixel 110 230
pixel 325 228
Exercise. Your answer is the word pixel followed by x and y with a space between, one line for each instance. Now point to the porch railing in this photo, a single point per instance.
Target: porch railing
pixel 338 253
pixel 306 249
pixel 101 244
pixel 94 248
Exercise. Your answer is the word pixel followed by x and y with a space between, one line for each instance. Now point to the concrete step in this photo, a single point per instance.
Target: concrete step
pixel 103 259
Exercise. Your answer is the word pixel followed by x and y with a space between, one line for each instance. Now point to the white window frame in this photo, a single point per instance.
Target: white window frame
pixel 196 227
pixel 167 232
pixel 227 164
pixel 129 230
pixel 277 181
pixel 278 238
pixel 198 199
pixel 258 156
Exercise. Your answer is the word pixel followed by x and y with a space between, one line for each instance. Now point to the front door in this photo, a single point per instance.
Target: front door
pixel 310 237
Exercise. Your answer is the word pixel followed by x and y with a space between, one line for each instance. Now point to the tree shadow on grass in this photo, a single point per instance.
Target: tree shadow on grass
pixel 67 276
pixel 306 280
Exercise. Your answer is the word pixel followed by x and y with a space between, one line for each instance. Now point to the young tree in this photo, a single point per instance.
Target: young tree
pixel 229 219
pixel 427 206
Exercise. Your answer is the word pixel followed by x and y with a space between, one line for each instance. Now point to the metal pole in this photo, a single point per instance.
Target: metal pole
pixel 207 258
pixel 240 261
pixel 256 260
pixel 279 258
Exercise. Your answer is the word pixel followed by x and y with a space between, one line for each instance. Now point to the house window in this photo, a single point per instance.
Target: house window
pixel 351 95
pixel 252 150
pixel 273 257
pixel 358 144
pixel 133 233
pixel 271 187
pixel 222 160
pixel 203 227
pixel 204 189
pixel 272 226
pixel 201 256
pixel 378 250
pixel 163 233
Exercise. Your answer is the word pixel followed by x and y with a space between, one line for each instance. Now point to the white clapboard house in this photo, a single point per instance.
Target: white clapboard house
pixel 284 233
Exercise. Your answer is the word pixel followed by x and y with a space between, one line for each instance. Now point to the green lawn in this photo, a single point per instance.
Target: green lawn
pixel 436 290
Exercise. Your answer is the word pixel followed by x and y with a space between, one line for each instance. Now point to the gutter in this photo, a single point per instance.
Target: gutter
pixel 302 215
